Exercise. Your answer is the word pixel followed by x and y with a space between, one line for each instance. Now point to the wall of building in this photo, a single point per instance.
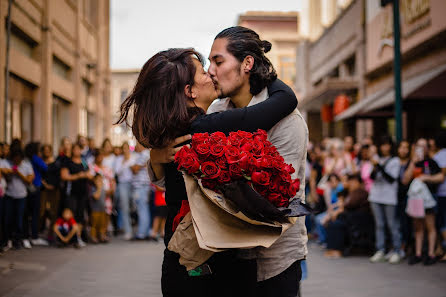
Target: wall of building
pixel 59 67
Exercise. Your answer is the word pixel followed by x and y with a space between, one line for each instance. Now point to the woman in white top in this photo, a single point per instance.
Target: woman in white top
pixel 383 199
pixel 19 175
pixel 125 175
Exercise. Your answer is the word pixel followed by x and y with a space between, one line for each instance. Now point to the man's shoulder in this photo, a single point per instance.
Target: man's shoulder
pixel 219 105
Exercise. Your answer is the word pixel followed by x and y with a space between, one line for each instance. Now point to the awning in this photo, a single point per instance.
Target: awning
pixel 383 98
pixel 326 91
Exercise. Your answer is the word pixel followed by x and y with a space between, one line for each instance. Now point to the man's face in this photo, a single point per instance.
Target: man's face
pixel 225 70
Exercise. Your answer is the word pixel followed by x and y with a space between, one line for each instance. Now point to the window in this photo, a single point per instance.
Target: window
pixel 61 69
pixel 60 121
pixel 350 63
pixel 22 42
pixel 287 69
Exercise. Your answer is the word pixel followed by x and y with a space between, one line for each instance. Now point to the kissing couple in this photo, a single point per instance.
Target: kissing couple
pixel 174 98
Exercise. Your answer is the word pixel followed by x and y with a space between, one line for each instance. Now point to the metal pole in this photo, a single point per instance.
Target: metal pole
pixel 397 71
pixel 8 36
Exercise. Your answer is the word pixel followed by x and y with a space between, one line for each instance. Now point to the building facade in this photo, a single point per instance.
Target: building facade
pixel 281 29
pixel 122 83
pixel 423 69
pixel 59 70
pixel 330 64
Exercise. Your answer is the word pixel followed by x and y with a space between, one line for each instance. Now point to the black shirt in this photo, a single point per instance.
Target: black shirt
pixel 429 167
pixel 79 186
pixel 265 115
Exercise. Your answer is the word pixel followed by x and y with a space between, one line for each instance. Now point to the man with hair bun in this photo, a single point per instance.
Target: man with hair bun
pixel 241 72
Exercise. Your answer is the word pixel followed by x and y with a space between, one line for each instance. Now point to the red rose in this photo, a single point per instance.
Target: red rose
pixel 218 138
pixel 217 150
pixel 224 177
pixel 278 200
pixel 189 162
pixel 235 139
pixel 247 147
pixel 222 162
pixel 278 165
pixel 257 148
pixel 289 168
pixel 294 188
pixel 203 150
pixel 210 184
pixel 248 163
pixel 198 138
pixel 275 183
pixel 210 170
pixel 235 171
pixel 285 176
pixel 262 190
pixel 260 178
pixel 232 154
pixel 266 162
pixel 261 135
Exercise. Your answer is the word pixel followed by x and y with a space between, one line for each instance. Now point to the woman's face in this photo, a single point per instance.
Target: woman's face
pixel 203 91
pixel 108 148
pixel 385 149
pixel 403 150
pixel 365 154
pixel 125 148
pixel 47 152
pixel 76 151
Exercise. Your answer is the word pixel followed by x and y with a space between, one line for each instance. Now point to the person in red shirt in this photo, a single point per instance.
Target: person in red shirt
pixel 160 214
pixel 66 229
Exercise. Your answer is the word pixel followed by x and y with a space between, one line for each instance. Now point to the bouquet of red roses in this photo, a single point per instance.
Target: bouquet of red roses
pixel 218 160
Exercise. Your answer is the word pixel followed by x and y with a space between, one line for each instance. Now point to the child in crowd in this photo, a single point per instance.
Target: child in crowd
pixel 160 214
pixel 99 220
pixel 66 229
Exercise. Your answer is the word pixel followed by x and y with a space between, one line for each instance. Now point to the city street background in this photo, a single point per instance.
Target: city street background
pixel 134 270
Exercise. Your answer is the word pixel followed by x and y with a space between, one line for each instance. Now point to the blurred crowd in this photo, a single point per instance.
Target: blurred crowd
pixel 364 195
pixel 378 197
pixel 82 194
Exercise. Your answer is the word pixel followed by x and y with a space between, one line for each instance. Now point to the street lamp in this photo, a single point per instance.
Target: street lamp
pixel 396 67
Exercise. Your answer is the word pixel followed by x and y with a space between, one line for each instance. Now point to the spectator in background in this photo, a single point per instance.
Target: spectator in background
pixel 108 183
pixel 141 190
pixel 331 191
pixel 404 154
pixel 353 210
pixel 50 195
pixel 349 147
pixel 383 199
pixel 2 200
pixel 160 214
pixel 86 151
pixel 99 220
pixel 364 166
pixel 125 177
pixel 427 170
pixel 66 229
pixel 76 175
pixel 19 175
pixel 337 161
pixel 32 209
pixel 440 158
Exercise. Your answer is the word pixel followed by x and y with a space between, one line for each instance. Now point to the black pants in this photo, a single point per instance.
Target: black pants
pixel 32 215
pixel 285 284
pixel 230 277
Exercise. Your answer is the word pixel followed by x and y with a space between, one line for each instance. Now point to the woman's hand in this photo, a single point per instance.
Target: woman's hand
pixel 167 154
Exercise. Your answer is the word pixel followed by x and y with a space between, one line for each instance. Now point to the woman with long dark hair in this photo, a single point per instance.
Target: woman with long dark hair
pixel 170 98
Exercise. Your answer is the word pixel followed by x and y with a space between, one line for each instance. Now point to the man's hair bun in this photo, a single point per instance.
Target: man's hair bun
pixel 266 45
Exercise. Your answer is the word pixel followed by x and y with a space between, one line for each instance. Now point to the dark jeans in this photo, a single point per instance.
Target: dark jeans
pixel 285 284
pixel 336 235
pixel 14 211
pixel 32 211
pixel 64 232
pixel 230 277
pixel 2 222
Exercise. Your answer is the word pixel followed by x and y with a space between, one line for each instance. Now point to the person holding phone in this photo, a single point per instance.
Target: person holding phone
pixel 427 170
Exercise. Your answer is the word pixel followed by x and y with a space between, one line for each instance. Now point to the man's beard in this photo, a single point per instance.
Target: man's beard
pixel 235 89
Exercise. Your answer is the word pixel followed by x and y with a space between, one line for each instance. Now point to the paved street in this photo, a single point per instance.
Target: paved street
pixel 133 270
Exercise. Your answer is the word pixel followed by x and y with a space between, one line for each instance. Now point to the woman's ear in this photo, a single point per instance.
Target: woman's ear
pixel 189 92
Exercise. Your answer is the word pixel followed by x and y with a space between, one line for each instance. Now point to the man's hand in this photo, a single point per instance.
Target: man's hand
pixel 167 154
